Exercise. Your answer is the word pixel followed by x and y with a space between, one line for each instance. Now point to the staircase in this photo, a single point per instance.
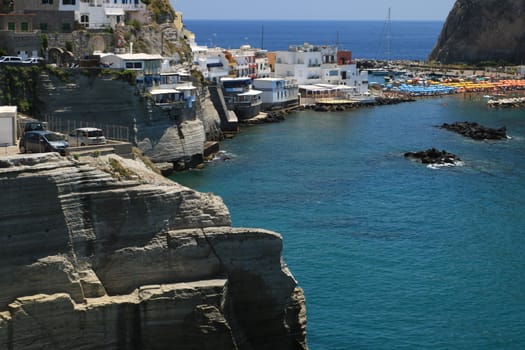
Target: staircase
pixel 229 121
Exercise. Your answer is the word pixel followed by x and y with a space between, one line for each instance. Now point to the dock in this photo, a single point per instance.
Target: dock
pixel 515 102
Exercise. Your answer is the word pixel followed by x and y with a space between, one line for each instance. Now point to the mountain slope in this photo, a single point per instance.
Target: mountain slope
pixel 483 30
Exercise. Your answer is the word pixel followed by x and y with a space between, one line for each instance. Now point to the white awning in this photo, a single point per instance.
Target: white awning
pixel 114 11
pixel 164 91
pixel 186 87
pixel 251 93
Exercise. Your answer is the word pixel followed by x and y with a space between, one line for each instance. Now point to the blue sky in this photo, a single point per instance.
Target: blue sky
pixel 311 9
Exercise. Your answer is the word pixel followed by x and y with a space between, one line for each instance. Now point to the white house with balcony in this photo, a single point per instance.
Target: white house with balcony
pixel 277 92
pixel 311 65
pixel 143 63
pixel 211 62
pixel 302 63
pixel 94 14
pixel 347 75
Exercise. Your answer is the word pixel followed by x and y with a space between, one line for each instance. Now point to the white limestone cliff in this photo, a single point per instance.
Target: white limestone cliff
pixel 108 255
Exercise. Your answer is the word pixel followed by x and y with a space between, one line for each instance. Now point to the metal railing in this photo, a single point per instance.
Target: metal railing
pixel 112 132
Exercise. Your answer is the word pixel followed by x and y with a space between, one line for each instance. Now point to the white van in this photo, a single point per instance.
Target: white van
pixel 86 137
pixel 10 59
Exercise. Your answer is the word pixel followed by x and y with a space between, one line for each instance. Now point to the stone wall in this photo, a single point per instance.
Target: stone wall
pixel 93 259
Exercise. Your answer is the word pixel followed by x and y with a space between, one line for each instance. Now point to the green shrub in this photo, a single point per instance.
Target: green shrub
pixel 118 170
pixel 135 24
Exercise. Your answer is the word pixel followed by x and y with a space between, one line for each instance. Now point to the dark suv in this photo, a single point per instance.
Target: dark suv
pixel 42 141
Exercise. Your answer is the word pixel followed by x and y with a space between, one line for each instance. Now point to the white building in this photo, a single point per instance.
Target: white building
pixel 347 75
pixel 302 63
pixel 8 122
pixel 262 66
pixel 277 92
pixel 145 63
pixel 212 63
pixel 311 65
pixel 108 13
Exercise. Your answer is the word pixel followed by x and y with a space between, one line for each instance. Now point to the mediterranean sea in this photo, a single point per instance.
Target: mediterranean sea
pixel 412 40
pixel 390 254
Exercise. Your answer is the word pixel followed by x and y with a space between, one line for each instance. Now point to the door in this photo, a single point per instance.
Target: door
pixel 6 131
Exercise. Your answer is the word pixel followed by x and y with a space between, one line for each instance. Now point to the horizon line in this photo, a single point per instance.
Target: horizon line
pixel 312 19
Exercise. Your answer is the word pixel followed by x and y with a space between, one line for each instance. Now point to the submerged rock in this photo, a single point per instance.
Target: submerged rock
pixel 434 157
pixel 476 131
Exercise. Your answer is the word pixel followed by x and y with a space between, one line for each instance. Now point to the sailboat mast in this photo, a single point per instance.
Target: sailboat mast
pixel 262 37
pixel 388 36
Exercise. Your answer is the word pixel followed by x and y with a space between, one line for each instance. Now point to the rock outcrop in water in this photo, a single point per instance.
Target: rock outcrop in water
pixel 476 131
pixel 433 156
pixel 483 30
pixel 108 255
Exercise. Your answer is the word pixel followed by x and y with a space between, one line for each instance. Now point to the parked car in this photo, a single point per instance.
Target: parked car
pixel 33 126
pixel 86 137
pixel 40 141
pixel 10 59
pixel 34 60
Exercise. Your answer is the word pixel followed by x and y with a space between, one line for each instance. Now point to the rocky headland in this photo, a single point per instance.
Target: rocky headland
pixel 476 131
pixel 483 31
pixel 106 254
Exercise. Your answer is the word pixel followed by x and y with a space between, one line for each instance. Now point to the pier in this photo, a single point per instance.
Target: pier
pixel 515 102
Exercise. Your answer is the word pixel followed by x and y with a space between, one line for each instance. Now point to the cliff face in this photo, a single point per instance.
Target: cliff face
pixel 163 136
pixel 483 30
pixel 96 257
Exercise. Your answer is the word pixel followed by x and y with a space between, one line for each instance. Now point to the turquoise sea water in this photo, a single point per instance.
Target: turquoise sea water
pixel 390 254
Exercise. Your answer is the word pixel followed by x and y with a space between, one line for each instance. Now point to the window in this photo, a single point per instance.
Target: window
pixel 133 65
pixel 66 27
pixel 24 27
pixel 11 26
pixel 47 2
pixel 84 20
pixel 43 27
pixel 68 2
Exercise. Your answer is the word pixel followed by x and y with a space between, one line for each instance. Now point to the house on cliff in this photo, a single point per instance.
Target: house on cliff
pixel 20 30
pixel 166 89
pixel 211 62
pixel 95 14
pixel 50 16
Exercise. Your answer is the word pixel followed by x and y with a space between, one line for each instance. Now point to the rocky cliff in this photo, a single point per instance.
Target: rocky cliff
pixel 163 136
pixel 108 255
pixel 483 30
